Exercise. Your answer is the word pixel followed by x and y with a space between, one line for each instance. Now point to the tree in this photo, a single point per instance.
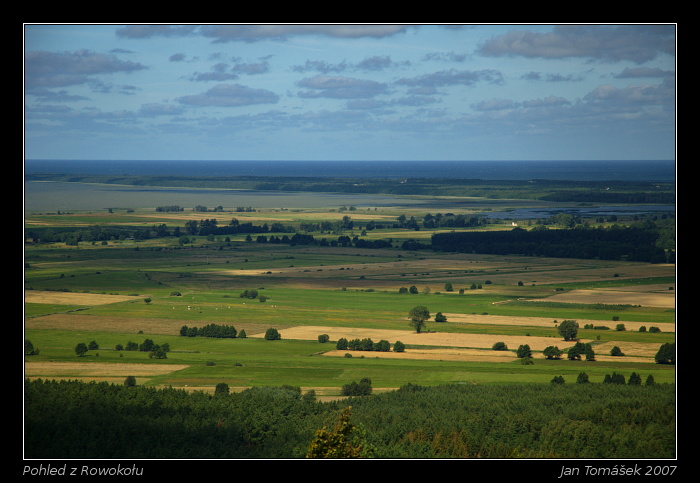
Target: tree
pixel 582 378
pixel 344 441
pixel 635 379
pixel 666 354
pixel 616 351
pixel 552 352
pixel 499 346
pixel 418 314
pixel 342 344
pixel 147 346
pixel 399 346
pixel 364 388
pixel 272 334
pixel 558 380
pixel 81 349
pixel 440 318
pixel 221 389
pixel 574 353
pixel 29 349
pixel 568 329
pixel 382 346
pixel 524 351
pixel 130 381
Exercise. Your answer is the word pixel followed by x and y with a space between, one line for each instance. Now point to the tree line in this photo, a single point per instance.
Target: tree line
pixel 634 243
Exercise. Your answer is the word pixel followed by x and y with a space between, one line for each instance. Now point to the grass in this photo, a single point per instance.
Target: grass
pixel 307 286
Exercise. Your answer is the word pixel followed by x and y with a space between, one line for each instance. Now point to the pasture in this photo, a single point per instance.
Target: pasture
pixel 129 290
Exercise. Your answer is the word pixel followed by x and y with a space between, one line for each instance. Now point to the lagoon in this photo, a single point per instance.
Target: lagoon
pixel 46 196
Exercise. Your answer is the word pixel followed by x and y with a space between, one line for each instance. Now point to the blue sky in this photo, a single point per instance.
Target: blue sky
pixel 349 92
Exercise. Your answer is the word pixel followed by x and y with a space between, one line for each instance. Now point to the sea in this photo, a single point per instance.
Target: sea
pixel 626 170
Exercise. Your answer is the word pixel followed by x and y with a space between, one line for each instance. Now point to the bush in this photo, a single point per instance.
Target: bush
pixel 500 346
pixel 524 351
pixel 364 388
pixel 552 352
pixel 272 334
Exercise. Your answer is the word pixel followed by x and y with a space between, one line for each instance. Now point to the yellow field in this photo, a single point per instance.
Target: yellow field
pixel 71 298
pixel 548 321
pixel 95 371
pixel 612 296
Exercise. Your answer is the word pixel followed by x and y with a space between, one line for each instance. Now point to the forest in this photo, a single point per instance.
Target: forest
pixel 71 419
pixel 636 243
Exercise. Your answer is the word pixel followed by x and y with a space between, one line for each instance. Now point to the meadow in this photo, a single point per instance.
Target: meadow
pixel 127 289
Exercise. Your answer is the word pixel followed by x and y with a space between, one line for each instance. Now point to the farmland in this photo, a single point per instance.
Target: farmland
pixel 136 280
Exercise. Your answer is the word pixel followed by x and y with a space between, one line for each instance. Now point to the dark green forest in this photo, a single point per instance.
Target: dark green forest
pixel 637 243
pixel 72 419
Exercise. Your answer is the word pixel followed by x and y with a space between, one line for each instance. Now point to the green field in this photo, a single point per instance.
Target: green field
pixel 165 284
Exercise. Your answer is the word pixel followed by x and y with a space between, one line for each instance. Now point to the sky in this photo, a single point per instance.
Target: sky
pixel 350 92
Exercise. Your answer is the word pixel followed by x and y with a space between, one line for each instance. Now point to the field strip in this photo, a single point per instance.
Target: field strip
pixel 614 297
pixel 68 369
pixel 72 298
pixel 435 355
pixel 131 325
pixel 475 341
pixel 549 322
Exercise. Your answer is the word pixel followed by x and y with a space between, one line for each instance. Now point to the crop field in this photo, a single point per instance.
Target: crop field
pixel 126 289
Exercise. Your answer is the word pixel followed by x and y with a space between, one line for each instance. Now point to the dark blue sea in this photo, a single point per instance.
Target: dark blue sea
pixel 653 171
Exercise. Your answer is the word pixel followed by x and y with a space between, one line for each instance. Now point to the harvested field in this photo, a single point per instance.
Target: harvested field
pixel 475 341
pixel 80 322
pixel 72 298
pixel 612 297
pixel 154 326
pixel 94 371
pixel 630 349
pixel 548 322
pixel 481 355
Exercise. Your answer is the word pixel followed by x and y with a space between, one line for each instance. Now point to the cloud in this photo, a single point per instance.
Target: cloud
pixel 61 69
pixel 148 31
pixel 340 87
pixel 636 43
pixel 370 64
pixel 453 77
pixel 230 95
pixel 253 33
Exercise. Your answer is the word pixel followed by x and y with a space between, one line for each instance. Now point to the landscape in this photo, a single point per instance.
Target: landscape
pixel 367 244
pixel 249 329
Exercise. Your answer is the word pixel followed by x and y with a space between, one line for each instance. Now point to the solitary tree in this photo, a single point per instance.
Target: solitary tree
pixel 523 351
pixel 418 314
pixel 666 354
pixel 272 334
pixel 568 329
pixel 81 349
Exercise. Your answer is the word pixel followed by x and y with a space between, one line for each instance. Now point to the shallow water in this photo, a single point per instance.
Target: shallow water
pixel 53 196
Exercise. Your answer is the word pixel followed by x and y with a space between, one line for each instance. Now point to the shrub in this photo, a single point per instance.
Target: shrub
pixel 272 334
